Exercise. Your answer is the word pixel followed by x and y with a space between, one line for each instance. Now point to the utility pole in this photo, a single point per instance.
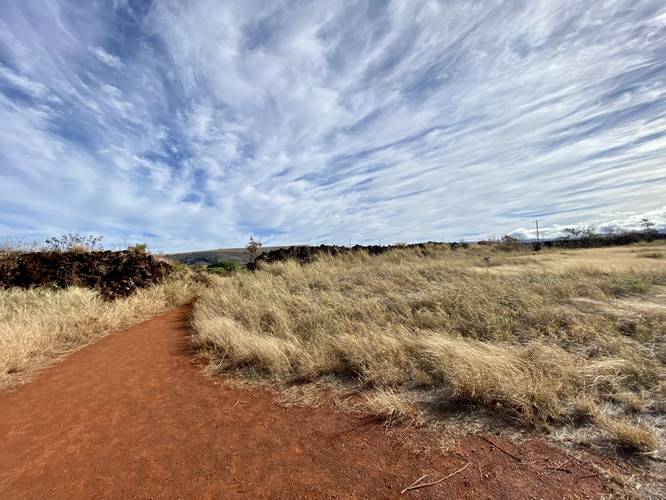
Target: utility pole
pixel 537 228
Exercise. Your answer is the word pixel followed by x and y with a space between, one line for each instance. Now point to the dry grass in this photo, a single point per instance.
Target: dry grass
pixel 441 330
pixel 39 325
pixel 629 435
pixel 388 405
pixel 652 255
pixel 631 258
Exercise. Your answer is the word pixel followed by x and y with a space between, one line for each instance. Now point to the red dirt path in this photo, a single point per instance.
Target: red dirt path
pixel 132 417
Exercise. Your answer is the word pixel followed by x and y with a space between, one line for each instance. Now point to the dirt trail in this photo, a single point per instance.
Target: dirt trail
pixel 132 417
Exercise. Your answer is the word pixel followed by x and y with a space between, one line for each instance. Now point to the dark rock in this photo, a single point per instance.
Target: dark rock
pixel 114 274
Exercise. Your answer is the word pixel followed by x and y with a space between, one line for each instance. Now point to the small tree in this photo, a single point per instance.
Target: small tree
pixel 509 242
pixel 647 225
pixel 571 233
pixel 253 247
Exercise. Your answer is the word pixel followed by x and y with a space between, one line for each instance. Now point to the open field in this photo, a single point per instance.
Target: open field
pixel 642 257
pixel 569 343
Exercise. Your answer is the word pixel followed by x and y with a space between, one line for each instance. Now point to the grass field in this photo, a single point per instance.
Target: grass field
pixel 570 343
pixel 39 325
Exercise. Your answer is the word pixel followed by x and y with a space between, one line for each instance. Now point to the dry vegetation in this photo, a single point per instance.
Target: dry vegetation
pixel 550 341
pixel 38 325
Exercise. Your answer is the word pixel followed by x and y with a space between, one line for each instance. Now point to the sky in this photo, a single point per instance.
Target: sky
pixel 197 124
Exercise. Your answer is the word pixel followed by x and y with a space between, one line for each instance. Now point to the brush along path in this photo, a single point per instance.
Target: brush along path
pixel 131 416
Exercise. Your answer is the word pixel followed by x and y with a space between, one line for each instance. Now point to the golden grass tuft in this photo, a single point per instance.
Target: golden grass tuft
pixel 388 405
pixel 632 402
pixel 528 339
pixel 629 436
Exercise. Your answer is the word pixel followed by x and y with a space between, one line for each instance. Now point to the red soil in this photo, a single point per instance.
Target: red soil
pixel 132 417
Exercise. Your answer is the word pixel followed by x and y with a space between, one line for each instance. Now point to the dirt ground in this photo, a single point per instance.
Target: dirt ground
pixel 132 417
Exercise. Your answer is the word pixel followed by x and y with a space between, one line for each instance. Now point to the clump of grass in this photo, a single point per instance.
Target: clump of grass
pixel 388 405
pixel 38 325
pixel 438 323
pixel 631 401
pixel 628 284
pixel 652 255
pixel 138 248
pixel 629 436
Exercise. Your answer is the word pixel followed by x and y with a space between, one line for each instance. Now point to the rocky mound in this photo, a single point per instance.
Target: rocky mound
pixel 114 274
pixel 305 254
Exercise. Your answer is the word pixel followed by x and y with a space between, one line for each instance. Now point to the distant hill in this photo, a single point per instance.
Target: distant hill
pixel 239 255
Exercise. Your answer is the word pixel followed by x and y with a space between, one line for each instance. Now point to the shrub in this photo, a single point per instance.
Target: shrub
pixel 509 243
pixel 224 267
pixel 73 242
pixel 138 248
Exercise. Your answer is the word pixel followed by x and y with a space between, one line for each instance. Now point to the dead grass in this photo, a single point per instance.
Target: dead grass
pixel 39 325
pixel 629 435
pixel 512 339
pixel 388 405
pixel 652 255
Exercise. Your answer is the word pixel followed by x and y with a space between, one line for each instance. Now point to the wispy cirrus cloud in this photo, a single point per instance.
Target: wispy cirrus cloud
pixel 106 58
pixel 196 124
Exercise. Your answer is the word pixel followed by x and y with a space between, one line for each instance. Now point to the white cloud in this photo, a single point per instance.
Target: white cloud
pixel 604 223
pixel 32 88
pixel 366 121
pixel 106 58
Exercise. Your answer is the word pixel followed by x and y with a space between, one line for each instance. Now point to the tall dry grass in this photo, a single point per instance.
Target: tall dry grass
pixel 38 325
pixel 439 330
